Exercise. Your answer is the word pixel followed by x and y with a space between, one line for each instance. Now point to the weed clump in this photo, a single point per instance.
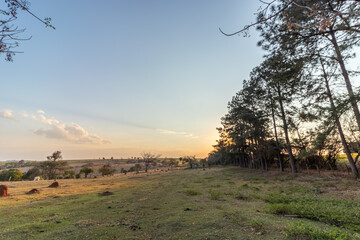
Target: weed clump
pixel 257 226
pixel 241 196
pixel 215 195
pixel 191 192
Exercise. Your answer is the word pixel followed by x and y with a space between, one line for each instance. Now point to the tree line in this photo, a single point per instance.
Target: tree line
pixel 299 107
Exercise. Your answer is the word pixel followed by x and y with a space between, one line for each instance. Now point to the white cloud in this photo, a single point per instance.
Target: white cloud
pixel 40 111
pixel 68 132
pixel 185 134
pixel 25 115
pixel 7 114
pixel 48 121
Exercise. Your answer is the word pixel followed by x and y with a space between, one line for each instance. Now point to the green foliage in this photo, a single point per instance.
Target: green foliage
pixel 69 174
pixel 300 230
pixel 11 174
pixel 32 173
pixel 257 226
pixel 107 170
pixel 53 169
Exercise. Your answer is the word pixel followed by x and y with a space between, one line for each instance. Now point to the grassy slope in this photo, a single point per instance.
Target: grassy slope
pixel 221 203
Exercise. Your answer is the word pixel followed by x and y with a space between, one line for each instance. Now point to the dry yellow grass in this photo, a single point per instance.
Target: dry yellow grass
pixel 18 189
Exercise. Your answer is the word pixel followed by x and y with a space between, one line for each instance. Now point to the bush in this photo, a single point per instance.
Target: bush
pixel 32 173
pixel 69 174
pixel 257 226
pixel 135 168
pixel 11 174
pixel 215 195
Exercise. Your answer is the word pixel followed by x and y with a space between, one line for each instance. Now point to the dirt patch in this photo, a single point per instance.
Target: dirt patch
pixel 3 191
pixel 55 185
pixel 33 191
pixel 106 193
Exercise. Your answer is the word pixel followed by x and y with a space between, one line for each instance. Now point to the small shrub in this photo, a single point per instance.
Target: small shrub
pixel 257 226
pixel 235 217
pixel 136 168
pixel 215 195
pixel 69 174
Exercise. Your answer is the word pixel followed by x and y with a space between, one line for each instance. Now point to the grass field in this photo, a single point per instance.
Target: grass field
pixel 218 203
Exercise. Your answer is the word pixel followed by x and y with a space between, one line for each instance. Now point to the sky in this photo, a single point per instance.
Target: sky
pixel 120 77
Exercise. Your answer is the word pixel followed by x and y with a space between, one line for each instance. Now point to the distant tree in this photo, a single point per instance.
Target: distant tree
pixel 107 170
pixel 54 167
pixel 11 174
pixel 55 156
pixel 86 171
pixel 191 160
pixel 173 162
pixel 149 158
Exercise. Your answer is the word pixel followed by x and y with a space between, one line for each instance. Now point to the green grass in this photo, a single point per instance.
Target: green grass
pixel 308 231
pixel 186 204
pixel 191 192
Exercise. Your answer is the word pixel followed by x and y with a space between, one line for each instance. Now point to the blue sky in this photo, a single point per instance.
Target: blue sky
pixel 120 77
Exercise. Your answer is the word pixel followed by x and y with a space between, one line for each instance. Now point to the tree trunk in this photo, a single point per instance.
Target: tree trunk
pixel 338 124
pixel 346 78
pixel 281 165
pixel 291 156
